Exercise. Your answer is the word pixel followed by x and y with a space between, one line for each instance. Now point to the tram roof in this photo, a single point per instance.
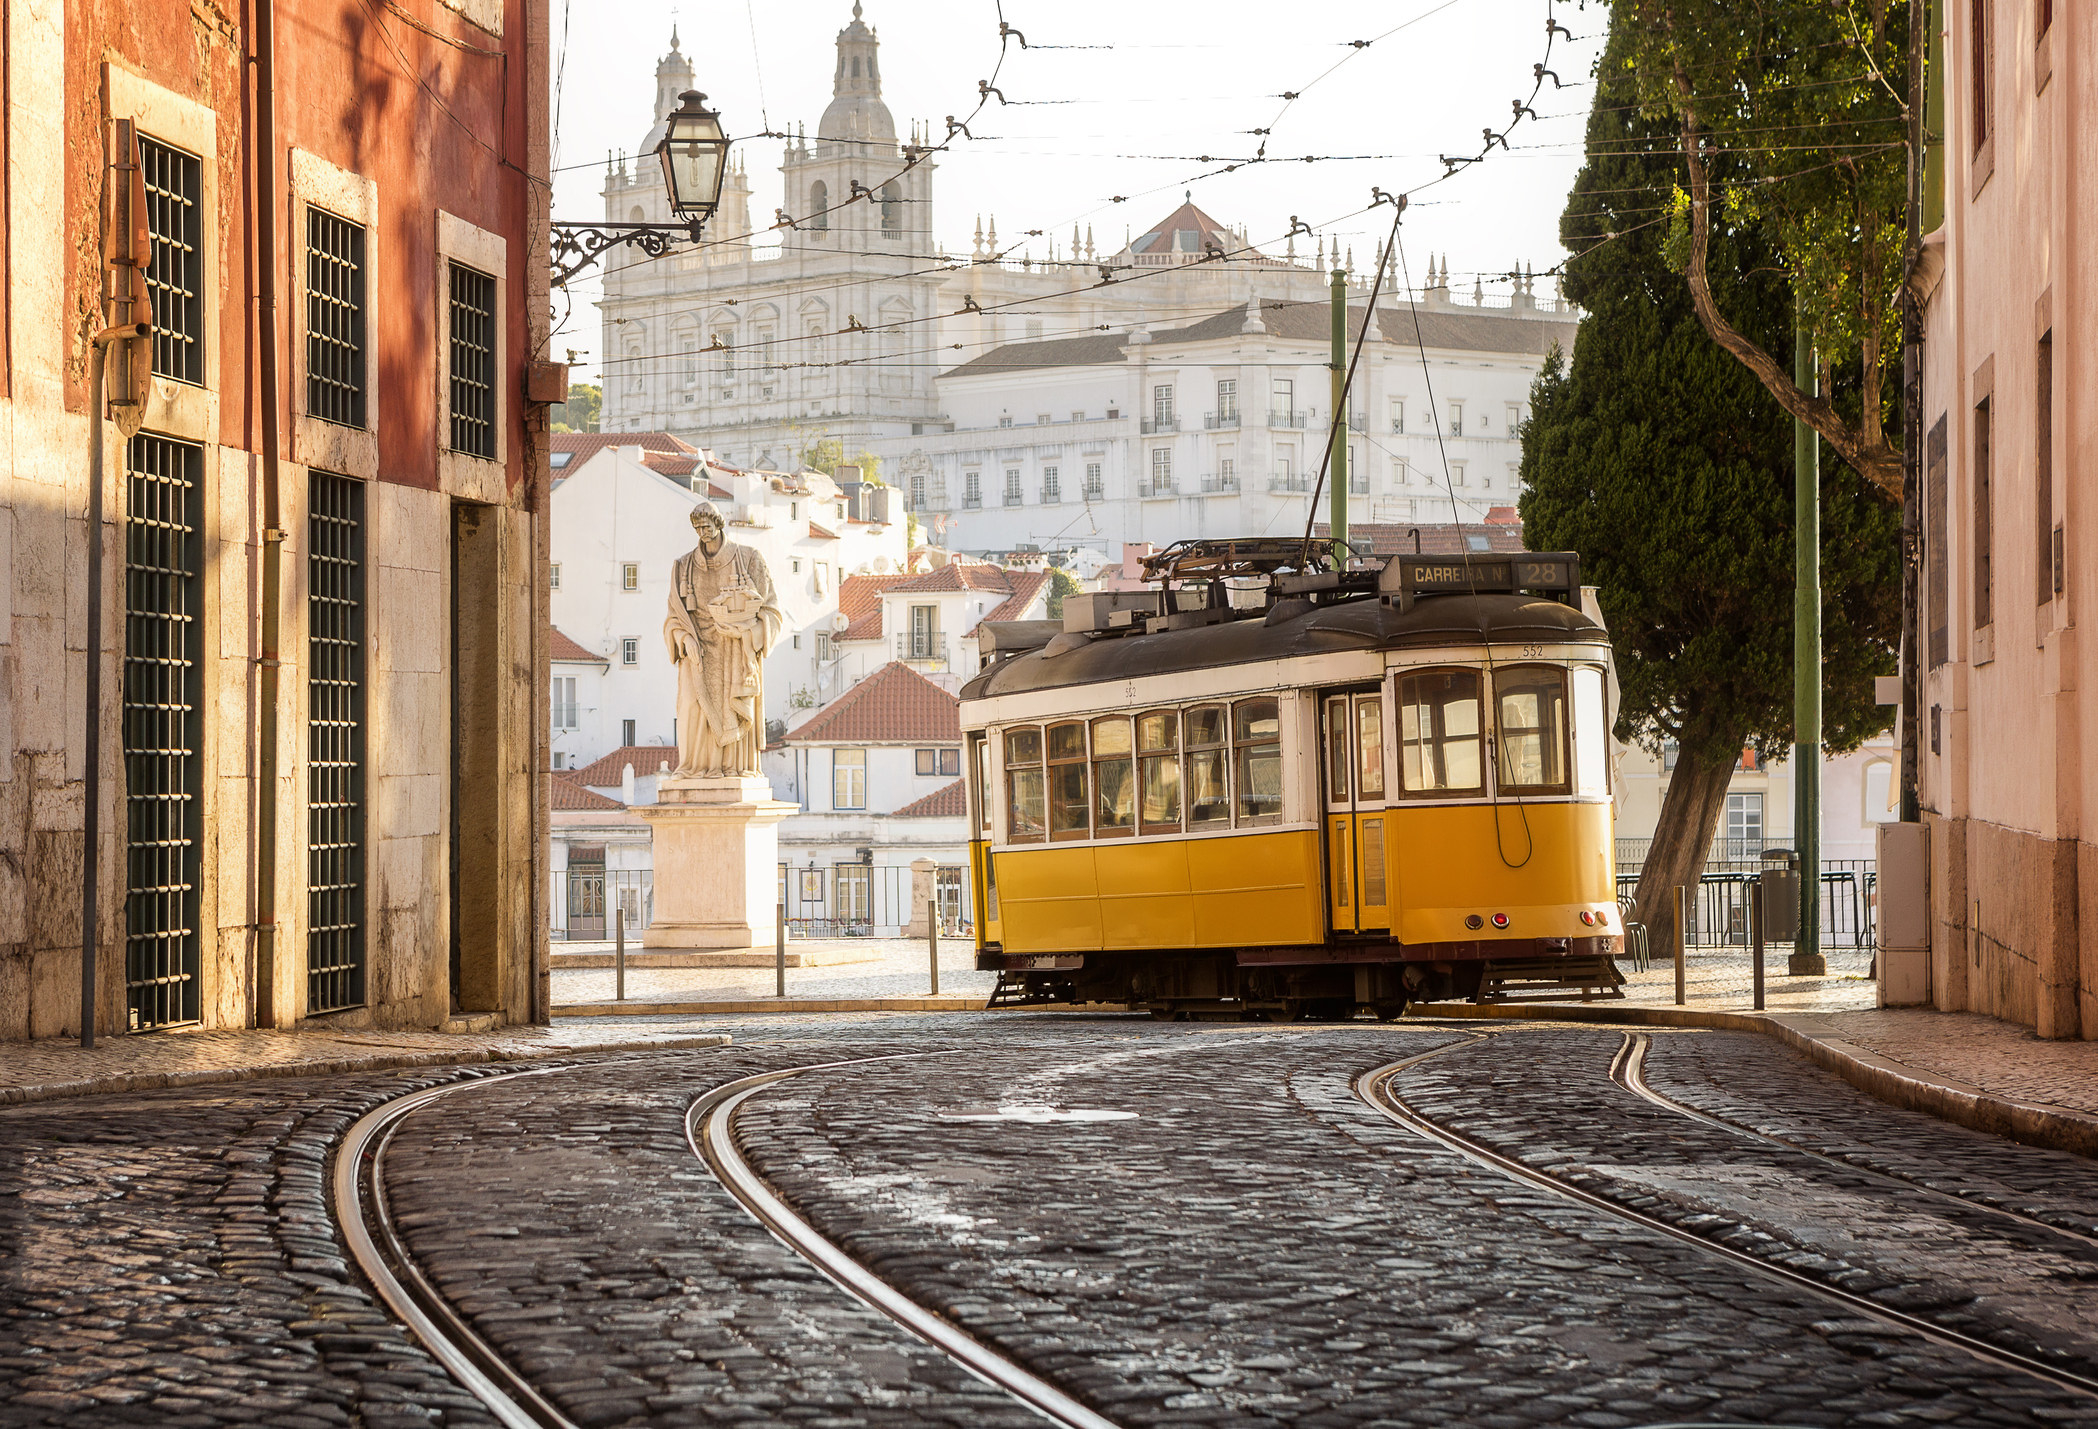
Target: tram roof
pixel 1354 625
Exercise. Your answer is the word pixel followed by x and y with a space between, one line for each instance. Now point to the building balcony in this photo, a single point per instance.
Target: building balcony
pixel 1219 421
pixel 1289 483
pixel 1012 498
pixel 922 647
pixel 1291 419
pixel 1153 426
pixel 972 503
pixel 1158 488
pixel 1226 482
pixel 1096 493
pixel 1052 496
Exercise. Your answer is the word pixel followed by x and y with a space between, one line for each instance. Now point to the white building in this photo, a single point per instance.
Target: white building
pixel 877 774
pixel 622 516
pixel 1218 427
pixel 932 621
pixel 732 344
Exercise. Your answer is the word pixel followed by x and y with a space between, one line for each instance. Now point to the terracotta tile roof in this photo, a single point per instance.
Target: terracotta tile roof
pixel 1164 236
pixel 568 794
pixel 947 803
pixel 894 705
pixel 1026 586
pixel 586 445
pixel 669 463
pixel 859 598
pixel 958 575
pixel 560 647
pixel 819 534
pixel 1447 539
pixel 644 757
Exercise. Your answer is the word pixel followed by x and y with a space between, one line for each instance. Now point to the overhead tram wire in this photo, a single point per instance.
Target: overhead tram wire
pixel 1341 408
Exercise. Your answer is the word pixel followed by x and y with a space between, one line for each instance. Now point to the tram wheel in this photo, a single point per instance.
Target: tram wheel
pixel 1390 1011
pixel 1291 1010
pixel 1164 1012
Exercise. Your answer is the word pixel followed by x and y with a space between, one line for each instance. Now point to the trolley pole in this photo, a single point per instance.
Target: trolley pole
pixel 1337 468
pixel 1682 937
pixel 1806 664
pixel 932 940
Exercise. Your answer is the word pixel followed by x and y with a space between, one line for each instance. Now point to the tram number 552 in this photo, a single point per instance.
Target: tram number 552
pixel 1533 652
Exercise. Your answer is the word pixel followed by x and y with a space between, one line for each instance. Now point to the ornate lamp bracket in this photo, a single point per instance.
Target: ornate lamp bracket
pixel 573 247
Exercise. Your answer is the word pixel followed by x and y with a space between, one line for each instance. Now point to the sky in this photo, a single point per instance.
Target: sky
pixel 1112 102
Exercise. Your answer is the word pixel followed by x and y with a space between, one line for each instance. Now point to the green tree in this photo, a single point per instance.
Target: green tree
pixel 580 412
pixel 1668 466
pixel 1792 117
pixel 1061 584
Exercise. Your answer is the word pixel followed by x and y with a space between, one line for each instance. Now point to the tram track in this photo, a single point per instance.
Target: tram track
pixel 376 1243
pixel 1628 1070
pixel 1374 1088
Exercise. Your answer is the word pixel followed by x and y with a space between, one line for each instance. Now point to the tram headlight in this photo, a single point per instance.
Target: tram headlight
pixel 1500 920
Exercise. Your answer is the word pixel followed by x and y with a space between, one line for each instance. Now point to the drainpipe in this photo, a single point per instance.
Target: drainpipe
pixel 265 865
pixel 91 826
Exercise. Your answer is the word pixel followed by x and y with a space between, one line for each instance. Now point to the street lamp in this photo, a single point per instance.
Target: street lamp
pixel 694 155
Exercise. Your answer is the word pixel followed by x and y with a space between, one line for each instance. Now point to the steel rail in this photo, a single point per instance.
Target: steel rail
pixel 1628 1070
pixel 367 1226
pixel 1374 1089
pixel 710 1130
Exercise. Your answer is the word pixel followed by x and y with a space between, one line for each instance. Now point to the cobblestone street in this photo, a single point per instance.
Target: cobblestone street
pixel 1186 1224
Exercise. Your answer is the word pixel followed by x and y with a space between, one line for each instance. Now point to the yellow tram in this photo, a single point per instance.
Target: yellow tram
pixel 1346 788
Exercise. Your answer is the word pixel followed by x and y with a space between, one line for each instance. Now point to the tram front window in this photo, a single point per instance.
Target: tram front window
pixel 1158 772
pixel 1067 792
pixel 1114 779
pixel 1257 741
pixel 1024 812
pixel 1439 732
pixel 1532 700
pixel 1208 791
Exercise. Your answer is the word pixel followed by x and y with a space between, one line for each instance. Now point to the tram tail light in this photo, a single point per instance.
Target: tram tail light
pixel 1474 922
pixel 1500 920
pixel 1587 917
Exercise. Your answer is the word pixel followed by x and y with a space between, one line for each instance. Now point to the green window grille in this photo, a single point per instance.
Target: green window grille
pixel 175 275
pixel 473 362
pixel 162 727
pixel 334 318
pixel 335 724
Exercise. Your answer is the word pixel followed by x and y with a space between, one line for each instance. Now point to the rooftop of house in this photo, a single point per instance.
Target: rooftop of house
pixel 560 647
pixel 894 705
pixel 568 795
pixel 943 803
pixel 1443 539
pixel 859 601
pixel 1458 329
pixel 606 772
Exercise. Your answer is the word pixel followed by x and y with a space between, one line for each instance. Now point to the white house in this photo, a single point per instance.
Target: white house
pixel 930 621
pixel 877 774
pixel 622 516
pixel 1218 427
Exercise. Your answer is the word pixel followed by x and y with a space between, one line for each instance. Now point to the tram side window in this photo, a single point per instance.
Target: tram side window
pixel 1369 746
pixel 1439 732
pixel 1591 728
pixel 1532 700
pixel 1256 740
pixel 1025 815
pixel 1114 779
pixel 1067 781
pixel 1208 789
pixel 1337 751
pixel 1158 772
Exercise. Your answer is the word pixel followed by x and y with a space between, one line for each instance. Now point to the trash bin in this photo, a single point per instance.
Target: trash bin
pixel 1780 884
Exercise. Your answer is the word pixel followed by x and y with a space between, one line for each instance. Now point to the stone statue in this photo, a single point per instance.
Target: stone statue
pixel 724 617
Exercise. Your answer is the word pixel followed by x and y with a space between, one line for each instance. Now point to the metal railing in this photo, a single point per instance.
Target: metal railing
pixel 1155 425
pixel 1012 498
pixel 1157 487
pixel 1213 484
pixel 1286 419
pixel 921 645
pixel 858 900
pixel 586 895
pixel 1216 421
pixel 1718 913
pixel 1289 483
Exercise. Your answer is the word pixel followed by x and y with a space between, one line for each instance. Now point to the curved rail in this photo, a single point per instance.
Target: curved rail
pixel 1374 1088
pixel 708 1127
pixel 1628 1070
pixel 367 1225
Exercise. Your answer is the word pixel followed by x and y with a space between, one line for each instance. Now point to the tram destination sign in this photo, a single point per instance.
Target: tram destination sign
pixel 1476 573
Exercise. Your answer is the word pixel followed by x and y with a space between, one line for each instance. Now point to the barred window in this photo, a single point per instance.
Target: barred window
pixel 334 318
pixel 336 925
pixel 175 277
pixel 473 362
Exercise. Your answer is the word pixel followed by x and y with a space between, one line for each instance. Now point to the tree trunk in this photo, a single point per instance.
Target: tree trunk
pixel 1682 838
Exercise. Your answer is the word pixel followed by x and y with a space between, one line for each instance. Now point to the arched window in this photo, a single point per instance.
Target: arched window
pixel 855 66
pixel 635 215
pixel 892 208
pixel 819 200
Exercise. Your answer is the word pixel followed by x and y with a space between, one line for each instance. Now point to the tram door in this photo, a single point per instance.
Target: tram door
pixel 1353 735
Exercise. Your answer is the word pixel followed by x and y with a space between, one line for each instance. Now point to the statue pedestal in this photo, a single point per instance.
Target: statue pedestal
pixel 716 862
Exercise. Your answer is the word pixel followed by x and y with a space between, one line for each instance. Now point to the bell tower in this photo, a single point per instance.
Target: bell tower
pixel 856 144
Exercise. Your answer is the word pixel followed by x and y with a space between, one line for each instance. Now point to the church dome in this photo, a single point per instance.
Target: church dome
pixel 856 111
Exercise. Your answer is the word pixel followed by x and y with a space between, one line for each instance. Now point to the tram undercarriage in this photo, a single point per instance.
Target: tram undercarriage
pixel 1335 983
